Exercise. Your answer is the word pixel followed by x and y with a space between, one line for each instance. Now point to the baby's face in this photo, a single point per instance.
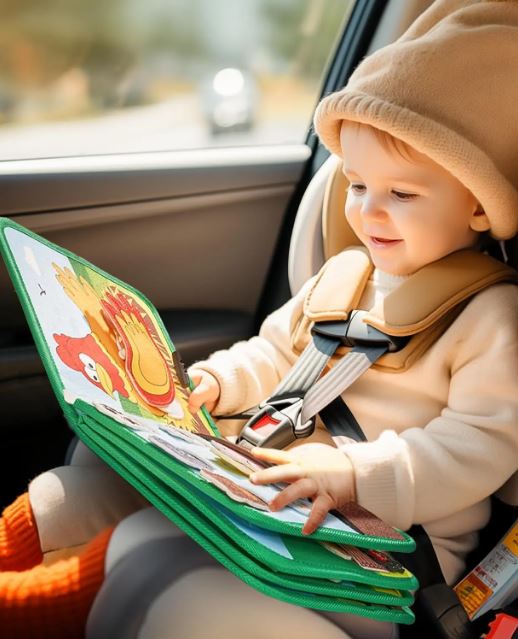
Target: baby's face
pixel 408 211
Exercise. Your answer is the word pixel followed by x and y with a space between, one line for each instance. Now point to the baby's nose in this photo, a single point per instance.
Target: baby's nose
pixel 373 209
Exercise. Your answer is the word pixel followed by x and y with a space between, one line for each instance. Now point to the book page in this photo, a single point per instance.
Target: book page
pixel 205 457
pixel 104 340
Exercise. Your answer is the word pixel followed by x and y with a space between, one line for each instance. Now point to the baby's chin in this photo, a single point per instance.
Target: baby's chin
pixel 393 266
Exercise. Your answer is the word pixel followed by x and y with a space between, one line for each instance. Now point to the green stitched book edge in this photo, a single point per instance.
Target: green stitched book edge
pixel 207 538
pixel 335 568
pixel 248 513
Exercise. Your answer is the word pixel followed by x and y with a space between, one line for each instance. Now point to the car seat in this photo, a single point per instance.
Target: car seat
pixel 320 231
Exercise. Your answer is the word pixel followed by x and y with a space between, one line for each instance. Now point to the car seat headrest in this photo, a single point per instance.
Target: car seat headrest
pixel 320 230
pixel 336 232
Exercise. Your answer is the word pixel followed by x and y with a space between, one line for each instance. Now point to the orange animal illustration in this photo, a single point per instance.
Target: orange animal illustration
pixel 124 352
pixel 145 364
pixel 83 354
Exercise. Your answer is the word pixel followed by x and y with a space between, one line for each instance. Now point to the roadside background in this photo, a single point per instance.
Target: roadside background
pixel 83 77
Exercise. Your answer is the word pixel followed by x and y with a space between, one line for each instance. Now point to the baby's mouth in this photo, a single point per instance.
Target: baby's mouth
pixel 382 241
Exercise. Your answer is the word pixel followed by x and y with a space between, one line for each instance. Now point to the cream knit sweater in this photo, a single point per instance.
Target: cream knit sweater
pixel 442 436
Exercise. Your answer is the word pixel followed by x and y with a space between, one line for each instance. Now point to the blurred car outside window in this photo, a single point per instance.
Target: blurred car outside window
pixel 90 77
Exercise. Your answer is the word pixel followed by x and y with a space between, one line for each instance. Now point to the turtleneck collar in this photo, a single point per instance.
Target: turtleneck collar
pixel 387 281
pixel 379 285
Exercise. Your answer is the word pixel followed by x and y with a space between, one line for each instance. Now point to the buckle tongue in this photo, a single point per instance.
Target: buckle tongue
pixel 276 424
pixel 355 332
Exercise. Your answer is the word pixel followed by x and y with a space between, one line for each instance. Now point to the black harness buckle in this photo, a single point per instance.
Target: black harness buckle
pixel 355 332
pixel 276 424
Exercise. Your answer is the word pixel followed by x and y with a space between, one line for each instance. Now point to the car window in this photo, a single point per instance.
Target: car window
pixel 91 77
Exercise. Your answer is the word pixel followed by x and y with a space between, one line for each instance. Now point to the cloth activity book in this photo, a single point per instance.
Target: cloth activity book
pixel 124 391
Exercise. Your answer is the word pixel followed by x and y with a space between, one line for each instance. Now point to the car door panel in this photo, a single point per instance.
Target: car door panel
pixel 197 238
pixel 204 250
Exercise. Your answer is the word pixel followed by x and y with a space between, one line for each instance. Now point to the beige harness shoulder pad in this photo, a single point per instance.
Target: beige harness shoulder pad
pixel 436 289
pixel 336 291
pixel 326 301
pixel 423 306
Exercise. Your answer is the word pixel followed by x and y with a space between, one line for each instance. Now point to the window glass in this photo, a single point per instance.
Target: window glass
pixel 85 77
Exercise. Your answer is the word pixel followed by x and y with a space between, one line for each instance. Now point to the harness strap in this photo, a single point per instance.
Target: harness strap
pixel 410 319
pixel 309 366
pixel 345 373
pixel 340 422
pixel 290 412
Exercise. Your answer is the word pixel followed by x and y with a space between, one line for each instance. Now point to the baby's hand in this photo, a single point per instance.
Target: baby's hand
pixel 206 390
pixel 318 471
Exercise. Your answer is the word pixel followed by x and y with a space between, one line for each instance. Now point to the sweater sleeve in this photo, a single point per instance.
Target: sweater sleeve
pixel 250 370
pixel 468 451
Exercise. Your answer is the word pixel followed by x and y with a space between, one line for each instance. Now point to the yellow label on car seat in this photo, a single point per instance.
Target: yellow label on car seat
pixel 493 579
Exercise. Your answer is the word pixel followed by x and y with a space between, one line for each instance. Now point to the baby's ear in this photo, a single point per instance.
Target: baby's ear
pixel 479 220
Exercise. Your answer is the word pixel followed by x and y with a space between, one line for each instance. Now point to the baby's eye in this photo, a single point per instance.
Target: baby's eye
pixel 357 188
pixel 401 195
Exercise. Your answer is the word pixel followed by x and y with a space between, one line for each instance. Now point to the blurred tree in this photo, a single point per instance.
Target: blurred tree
pixel 299 32
pixel 41 40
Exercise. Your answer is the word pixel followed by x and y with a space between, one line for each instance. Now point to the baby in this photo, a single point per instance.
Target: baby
pixel 408 211
pixel 431 171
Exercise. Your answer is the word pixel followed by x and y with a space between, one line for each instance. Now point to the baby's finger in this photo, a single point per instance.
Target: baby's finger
pixel 202 387
pixel 321 506
pixel 195 376
pixel 198 396
pixel 272 455
pixel 204 393
pixel 303 488
pixel 274 474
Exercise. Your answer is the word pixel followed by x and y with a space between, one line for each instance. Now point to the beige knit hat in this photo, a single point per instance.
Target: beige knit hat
pixel 449 88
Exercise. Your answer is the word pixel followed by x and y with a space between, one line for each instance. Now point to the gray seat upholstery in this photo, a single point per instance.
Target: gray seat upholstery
pixel 136 580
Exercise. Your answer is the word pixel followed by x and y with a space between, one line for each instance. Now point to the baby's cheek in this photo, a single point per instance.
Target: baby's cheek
pixel 352 215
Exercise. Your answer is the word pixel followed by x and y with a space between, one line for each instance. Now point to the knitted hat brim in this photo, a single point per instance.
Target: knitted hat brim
pixel 465 161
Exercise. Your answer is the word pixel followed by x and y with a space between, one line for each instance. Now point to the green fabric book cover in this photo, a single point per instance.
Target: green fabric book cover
pixel 124 391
